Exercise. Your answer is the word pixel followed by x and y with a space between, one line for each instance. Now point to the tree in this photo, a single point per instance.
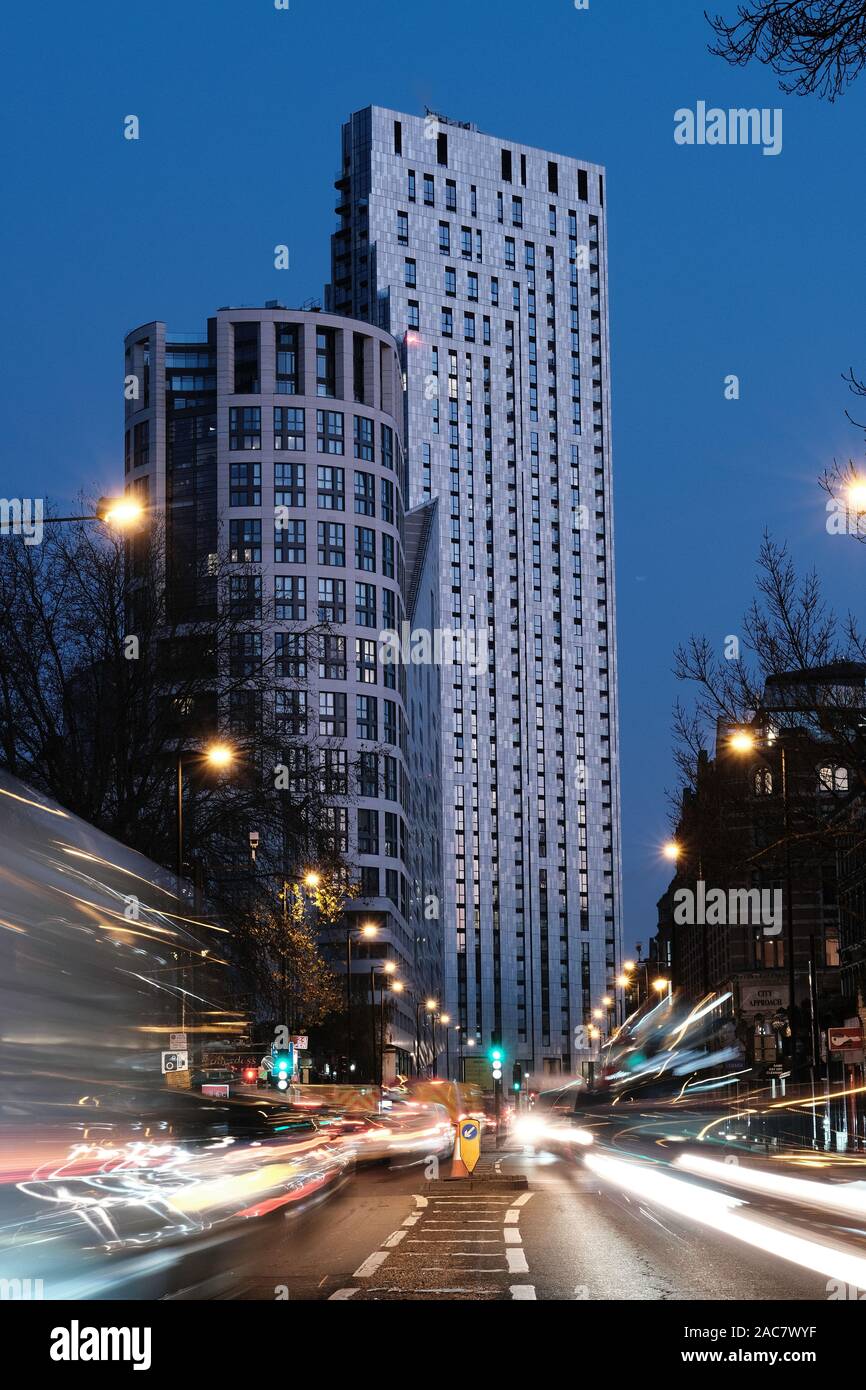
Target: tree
pixel 788 628
pixel 814 46
pixel 114 663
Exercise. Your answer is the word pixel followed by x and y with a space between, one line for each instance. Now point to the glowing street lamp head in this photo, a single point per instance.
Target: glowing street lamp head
pixel 742 741
pixel 369 929
pixel 856 491
pixel 312 879
pixel 607 1001
pixel 431 1006
pixel 397 986
pixel 672 851
pixel 444 1018
pixel 628 966
pixel 598 1013
pixel 389 967
pixel 219 755
pixel 660 985
pixel 623 981
pixel 122 513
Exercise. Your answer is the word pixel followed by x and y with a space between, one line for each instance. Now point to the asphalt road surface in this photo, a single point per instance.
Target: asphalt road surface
pixel 392 1234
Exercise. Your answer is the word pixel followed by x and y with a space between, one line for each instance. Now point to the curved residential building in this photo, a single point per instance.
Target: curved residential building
pixel 277 435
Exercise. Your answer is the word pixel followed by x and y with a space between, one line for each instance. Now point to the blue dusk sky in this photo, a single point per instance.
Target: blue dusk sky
pixel 722 260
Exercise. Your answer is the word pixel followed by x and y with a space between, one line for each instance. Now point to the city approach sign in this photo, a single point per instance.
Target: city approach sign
pixel 470 1143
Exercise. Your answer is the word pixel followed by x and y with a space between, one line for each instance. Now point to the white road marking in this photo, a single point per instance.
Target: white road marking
pixel 412 1220
pixel 371 1264
pixel 512 1237
pixel 512 1216
pixel 522 1199
pixel 516 1261
pixel 341 1295
pixel 422 1201
pixel 394 1239
pixel 523 1291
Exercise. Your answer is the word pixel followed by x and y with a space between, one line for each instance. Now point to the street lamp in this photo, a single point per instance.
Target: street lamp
pixel 856 491
pixel 120 513
pixel 218 755
pixel 672 850
pixel 445 1019
pixel 743 741
pixel 367 931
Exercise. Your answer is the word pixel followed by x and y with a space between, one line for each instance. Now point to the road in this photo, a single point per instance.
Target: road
pixel 392 1234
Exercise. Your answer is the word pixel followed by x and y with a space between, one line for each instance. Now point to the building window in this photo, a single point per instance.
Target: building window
pixel 367 717
pixel 429 190
pixel 329 432
pixel 287 375
pixel 365 548
pixel 466 243
pixel 365 604
pixel 445 238
pixel 364 438
pixel 335 821
pixel 387 447
pixel 413 314
pixel 441 148
pixel 410 180
pixel 472 285
pixel 403 228
pixel 398 137
pixel 330 488
pixel 289 427
pixel 365 494
pixel 245 427
pixel 326 362
pixel 450 280
pixel 388 556
pixel 387 500
pixel 290 542
pixel 368 774
pixel 141 444
pixel 290 711
pixel 832 779
pixel 762 781
pixel 365 661
pixel 447 322
pixel 246 359
pixel 290 655
pixel 332 543
pixel 245 484
pixel 332 658
pixel 332 600
pixel 290 598
pixel 450 195
pixel 368 831
pixel 517 212
pixel 332 714
pixel 410 273
pixel 290 485
pixel 245 654
pixel 245 597
pixel 245 541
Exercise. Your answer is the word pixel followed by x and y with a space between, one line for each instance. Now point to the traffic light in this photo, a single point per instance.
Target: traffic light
pixel 517 1075
pixel 282 1069
pixel 496 1056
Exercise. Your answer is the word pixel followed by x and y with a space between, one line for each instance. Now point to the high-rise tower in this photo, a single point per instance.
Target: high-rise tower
pixel 487 261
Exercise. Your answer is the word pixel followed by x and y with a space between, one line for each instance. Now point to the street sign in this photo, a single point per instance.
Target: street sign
pixel 177 1042
pixel 842 1039
pixel 215 1089
pixel 469 1138
pixel 301 1042
pixel 777 1069
pixel 175 1061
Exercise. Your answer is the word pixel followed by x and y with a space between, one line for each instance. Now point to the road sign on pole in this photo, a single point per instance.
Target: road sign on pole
pixel 844 1039
pixel 175 1061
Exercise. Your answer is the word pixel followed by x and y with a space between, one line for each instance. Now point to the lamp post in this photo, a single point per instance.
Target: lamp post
pixel 366 932
pixel 445 1020
pixel 744 741
pixel 310 879
pixel 216 755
